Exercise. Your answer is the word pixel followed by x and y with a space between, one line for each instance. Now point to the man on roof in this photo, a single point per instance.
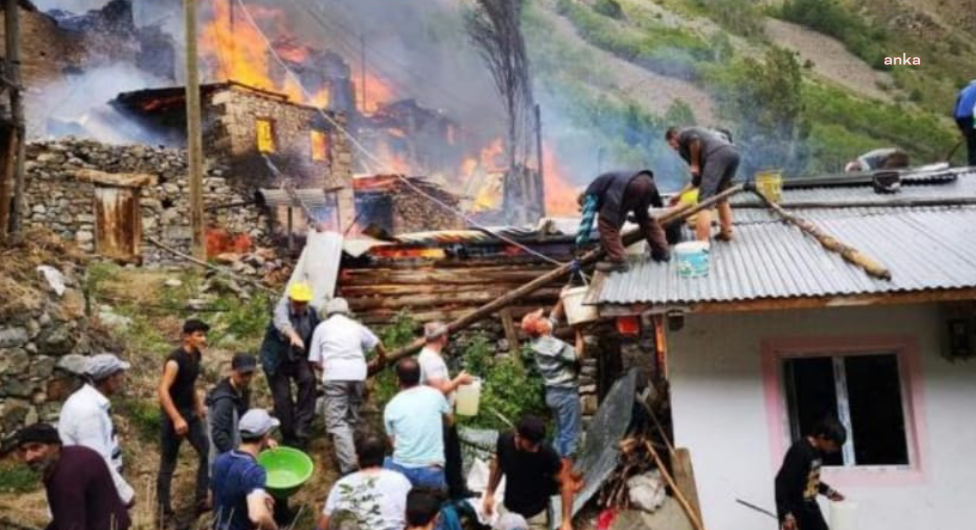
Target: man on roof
pixel 614 195
pixel 284 357
pixel 964 113
pixel 884 158
pixel 713 161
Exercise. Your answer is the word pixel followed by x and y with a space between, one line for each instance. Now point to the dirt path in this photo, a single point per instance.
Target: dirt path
pixel 830 59
pixel 654 92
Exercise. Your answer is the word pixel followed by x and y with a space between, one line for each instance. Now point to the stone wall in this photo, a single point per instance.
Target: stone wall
pixel 58 200
pixel 232 114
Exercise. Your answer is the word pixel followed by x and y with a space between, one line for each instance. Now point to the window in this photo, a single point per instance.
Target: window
pixel 265 135
pixel 320 146
pixel 863 391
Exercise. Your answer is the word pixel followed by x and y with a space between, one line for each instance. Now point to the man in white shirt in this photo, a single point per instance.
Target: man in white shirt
pixel 434 373
pixel 86 417
pixel 338 350
pixel 414 420
pixel 374 498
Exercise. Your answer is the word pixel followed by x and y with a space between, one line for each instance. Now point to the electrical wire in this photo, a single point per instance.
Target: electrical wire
pixel 371 158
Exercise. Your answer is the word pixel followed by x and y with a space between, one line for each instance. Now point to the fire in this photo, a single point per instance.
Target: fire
pixel 239 52
pixel 378 93
pixel 392 161
pixel 560 194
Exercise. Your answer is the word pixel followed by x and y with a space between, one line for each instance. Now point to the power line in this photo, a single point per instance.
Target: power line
pixel 376 160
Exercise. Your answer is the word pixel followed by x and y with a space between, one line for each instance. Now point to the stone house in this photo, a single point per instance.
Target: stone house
pixel 262 137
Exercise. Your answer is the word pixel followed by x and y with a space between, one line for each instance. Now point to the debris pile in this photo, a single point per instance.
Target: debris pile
pixel 263 264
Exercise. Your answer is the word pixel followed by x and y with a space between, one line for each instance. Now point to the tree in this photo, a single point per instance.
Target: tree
pixel 764 100
pixel 494 28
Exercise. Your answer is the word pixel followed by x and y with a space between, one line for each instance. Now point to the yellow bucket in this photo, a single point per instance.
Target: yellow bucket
pixel 770 184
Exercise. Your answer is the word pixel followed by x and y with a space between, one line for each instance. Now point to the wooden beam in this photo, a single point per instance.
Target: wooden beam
pixel 6 182
pixel 811 302
pixel 589 258
pixel 829 242
pixel 684 477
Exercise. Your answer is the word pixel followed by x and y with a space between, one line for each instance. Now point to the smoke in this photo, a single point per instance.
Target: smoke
pixel 78 105
pixel 74 6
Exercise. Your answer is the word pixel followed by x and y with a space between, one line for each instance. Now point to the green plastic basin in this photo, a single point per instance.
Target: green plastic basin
pixel 287 469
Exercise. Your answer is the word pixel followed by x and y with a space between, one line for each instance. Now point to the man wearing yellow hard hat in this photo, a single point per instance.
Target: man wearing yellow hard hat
pixel 284 357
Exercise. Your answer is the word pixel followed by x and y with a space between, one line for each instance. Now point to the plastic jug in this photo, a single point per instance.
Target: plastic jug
pixel 843 515
pixel 468 397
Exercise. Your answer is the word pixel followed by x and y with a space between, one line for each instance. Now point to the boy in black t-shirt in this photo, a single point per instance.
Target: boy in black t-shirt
pixel 183 417
pixel 798 481
pixel 534 473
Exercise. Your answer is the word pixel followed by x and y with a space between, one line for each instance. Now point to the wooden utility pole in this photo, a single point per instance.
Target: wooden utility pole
pixel 194 141
pixel 540 180
pixel 362 69
pixel 12 28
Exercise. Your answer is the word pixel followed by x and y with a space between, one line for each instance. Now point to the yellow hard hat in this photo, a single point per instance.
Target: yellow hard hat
pixel 300 292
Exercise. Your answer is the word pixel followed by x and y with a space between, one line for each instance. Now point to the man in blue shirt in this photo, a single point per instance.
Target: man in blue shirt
pixel 240 500
pixel 414 420
pixel 965 108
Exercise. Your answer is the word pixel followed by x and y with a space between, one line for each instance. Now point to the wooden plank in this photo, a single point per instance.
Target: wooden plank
pixel 684 477
pixel 354 291
pixel 434 299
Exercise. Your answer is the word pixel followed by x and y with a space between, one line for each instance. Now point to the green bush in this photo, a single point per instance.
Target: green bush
pixel 609 8
pixel 16 477
pixel 144 417
pixel 741 17
pixel 510 387
pixel 832 18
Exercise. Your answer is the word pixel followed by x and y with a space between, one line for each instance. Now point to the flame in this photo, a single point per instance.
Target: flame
pixel 392 161
pixel 560 194
pixel 378 93
pixel 239 52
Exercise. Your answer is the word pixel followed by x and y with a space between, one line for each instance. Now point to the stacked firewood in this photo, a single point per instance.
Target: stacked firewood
pixel 635 458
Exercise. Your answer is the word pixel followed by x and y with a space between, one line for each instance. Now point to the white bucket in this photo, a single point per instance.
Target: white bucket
pixel 468 398
pixel 692 259
pixel 843 515
pixel 576 312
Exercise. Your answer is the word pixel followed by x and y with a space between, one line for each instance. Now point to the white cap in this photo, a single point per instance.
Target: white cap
pixel 256 423
pixel 104 365
pixel 434 330
pixel 337 305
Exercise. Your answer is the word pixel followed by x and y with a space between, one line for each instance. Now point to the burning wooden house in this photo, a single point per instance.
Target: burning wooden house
pixel 392 204
pixel 264 137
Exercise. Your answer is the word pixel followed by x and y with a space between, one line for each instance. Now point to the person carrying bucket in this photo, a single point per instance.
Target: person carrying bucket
pixel 241 501
pixel 613 195
pixel 557 361
pixel 713 161
pixel 798 481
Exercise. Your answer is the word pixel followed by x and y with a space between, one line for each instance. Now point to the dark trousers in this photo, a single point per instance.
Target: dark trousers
pixel 453 465
pixel 811 519
pixel 969 135
pixel 169 450
pixel 637 199
pixel 295 414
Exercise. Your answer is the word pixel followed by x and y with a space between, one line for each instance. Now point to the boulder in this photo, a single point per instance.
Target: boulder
pixel 13 337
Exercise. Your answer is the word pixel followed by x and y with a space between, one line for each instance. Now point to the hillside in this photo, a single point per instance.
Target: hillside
pixel 617 72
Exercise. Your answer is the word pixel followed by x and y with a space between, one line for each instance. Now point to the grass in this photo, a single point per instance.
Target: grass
pixel 16 477
pixel 143 416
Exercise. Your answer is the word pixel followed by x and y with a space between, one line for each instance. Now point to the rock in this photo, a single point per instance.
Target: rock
pixel 13 412
pixel 39 209
pixel 112 319
pixel 57 340
pixel 33 328
pixel 173 282
pixel 42 367
pixel 12 386
pixel 589 404
pixel 84 236
pixel 228 258
pixel 13 337
pixel 14 361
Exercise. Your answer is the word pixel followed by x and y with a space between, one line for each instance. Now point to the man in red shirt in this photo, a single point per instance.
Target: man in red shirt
pixel 80 490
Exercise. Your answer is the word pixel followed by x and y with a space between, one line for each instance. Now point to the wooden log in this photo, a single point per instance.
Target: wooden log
pixel 684 476
pixel 365 291
pixel 589 258
pixel 682 500
pixel 849 253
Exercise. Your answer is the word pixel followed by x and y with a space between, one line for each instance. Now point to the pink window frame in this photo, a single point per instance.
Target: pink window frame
pixel 909 367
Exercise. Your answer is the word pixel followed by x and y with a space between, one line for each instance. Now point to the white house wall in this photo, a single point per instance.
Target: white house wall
pixel 721 415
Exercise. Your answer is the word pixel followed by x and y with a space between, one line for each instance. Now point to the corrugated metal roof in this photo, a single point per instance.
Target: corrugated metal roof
pixel 924 250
